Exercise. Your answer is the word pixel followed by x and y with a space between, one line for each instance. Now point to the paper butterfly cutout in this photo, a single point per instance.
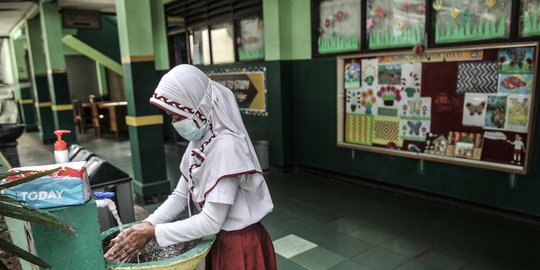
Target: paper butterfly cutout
pixel 414 127
pixel 516 56
pixel 475 109
pixel 415 106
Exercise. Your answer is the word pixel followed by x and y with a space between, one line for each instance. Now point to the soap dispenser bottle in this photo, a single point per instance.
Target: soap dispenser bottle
pixel 60 147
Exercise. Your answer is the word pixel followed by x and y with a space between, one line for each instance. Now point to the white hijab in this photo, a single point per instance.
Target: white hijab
pixel 226 149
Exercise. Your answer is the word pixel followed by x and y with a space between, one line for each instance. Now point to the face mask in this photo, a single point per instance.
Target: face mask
pixel 187 127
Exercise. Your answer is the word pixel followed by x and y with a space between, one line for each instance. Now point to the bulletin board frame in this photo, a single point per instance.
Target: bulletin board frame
pixel 509 168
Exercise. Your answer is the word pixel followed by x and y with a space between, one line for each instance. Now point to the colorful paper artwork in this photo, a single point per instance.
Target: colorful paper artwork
pixel 411 79
pixel 474 109
pixel 339 25
pixel 395 24
pixel 495 112
pixel 370 72
pixel 500 148
pixel 390 74
pixel 352 74
pixel 359 129
pixel 461 21
pixel 477 77
pixel 530 11
pixel 368 101
pixel 353 101
pixel 389 96
pixel 414 130
pixel 386 131
pixel 515 84
pixel 517 116
pixel 383 111
pixel 417 108
pixel 436 143
pixel 516 60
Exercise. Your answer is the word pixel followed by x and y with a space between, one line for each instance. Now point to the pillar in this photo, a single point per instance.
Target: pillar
pixel 144 120
pixel 23 88
pixel 38 74
pixel 62 108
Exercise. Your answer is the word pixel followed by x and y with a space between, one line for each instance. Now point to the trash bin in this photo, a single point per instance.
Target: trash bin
pixel 8 142
pixel 105 177
pixel 82 155
pixel 73 150
pixel 262 151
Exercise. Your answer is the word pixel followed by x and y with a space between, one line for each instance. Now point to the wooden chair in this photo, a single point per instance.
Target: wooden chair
pixel 99 118
pixel 82 120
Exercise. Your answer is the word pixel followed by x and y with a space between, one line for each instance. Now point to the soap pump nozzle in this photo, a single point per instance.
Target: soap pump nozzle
pixel 60 147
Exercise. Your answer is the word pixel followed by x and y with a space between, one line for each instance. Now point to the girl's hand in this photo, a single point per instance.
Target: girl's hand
pixel 130 242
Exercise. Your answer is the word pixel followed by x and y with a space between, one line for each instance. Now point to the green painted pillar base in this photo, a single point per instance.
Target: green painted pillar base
pixel 154 186
pixel 82 251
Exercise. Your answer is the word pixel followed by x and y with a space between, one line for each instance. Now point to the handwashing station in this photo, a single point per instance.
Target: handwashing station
pixel 94 198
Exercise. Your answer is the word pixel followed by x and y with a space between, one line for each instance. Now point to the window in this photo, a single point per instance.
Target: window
pixel 250 40
pixel 339 26
pixel 221 31
pixel 530 23
pixel 392 24
pixel 222 37
pixel 461 21
pixel 199 47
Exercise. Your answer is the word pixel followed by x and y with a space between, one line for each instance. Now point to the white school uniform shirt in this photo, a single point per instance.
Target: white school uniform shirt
pixel 220 172
pixel 518 145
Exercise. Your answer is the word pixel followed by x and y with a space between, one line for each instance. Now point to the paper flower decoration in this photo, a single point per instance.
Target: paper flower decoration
pixel 399 25
pixel 491 3
pixel 369 23
pixel 340 15
pixel 437 5
pixel 406 6
pixel 421 8
pixel 327 23
pixel 380 12
pixel 455 12
pixel 465 15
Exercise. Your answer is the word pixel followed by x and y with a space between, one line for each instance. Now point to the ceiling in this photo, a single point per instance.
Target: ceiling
pixel 13 11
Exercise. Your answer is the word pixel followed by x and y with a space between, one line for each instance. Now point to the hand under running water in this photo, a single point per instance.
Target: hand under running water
pixel 130 242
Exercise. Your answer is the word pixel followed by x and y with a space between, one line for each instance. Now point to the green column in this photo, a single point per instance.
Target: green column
pixel 62 108
pixel 102 79
pixel 38 74
pixel 24 88
pixel 144 120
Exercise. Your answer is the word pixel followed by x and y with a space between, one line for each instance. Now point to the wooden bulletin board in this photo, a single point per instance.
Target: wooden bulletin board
pixel 471 106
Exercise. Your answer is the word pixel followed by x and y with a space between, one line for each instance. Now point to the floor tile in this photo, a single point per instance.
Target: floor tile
pixel 444 259
pixel 287 264
pixel 349 265
pixel 406 246
pixel 318 259
pixel 371 234
pixel 415 265
pixel 292 245
pixel 379 258
pixel 342 225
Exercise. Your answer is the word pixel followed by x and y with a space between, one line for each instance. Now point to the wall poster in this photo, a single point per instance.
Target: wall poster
pixel 412 106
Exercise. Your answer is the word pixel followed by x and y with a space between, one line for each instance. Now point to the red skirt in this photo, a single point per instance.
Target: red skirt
pixel 247 249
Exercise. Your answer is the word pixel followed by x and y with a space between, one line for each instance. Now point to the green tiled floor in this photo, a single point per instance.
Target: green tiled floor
pixel 354 227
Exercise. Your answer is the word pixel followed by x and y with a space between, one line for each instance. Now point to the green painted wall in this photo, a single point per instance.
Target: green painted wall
pixel 315 113
pixel 159 34
pixel 283 20
pixel 104 40
pixel 277 126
